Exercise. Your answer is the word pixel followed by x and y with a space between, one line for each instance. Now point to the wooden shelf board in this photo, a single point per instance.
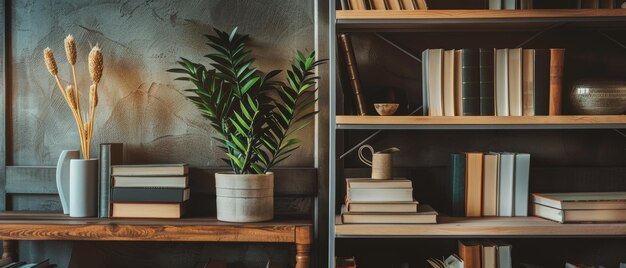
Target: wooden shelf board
pixel 483 19
pixel 478 122
pixel 482 226
pixel 46 226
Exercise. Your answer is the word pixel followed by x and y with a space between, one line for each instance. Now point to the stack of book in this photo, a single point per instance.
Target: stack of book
pixel 488 81
pixel 384 201
pixel 489 184
pixel 383 5
pixel 485 254
pixel 8 263
pixel 149 191
pixel 580 207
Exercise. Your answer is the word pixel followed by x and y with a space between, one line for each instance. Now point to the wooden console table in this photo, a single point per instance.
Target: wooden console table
pixel 45 226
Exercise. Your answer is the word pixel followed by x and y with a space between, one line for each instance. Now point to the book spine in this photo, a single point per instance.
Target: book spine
pixel 495 4
pixel 353 73
pixel 542 82
pixel 501 70
pixel 528 90
pixel 486 82
pixel 522 170
pixel 345 5
pixel 105 181
pixel 557 58
pixel 507 173
pixel 470 81
pixel 166 195
pixel 425 106
pixel 510 4
pixel 515 81
pixel 457 183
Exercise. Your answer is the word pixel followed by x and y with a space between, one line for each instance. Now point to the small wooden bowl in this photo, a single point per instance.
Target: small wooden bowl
pixel 386 108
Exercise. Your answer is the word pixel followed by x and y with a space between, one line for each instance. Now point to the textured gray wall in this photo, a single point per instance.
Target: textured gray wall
pixel 140 104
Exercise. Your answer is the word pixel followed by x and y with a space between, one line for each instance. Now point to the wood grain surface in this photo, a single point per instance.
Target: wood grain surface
pixel 479 14
pixel 482 120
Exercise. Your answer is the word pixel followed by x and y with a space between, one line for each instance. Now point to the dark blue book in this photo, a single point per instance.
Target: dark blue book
pixel 457 184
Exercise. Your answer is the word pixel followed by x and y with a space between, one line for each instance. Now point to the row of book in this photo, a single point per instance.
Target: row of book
pixel 384 201
pixel 510 4
pixel 489 184
pixel 580 207
pixel 594 4
pixel 476 254
pixel 149 191
pixel 488 81
pixel 383 5
pixel 10 263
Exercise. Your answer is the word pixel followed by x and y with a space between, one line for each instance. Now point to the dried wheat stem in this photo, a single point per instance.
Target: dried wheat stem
pixel 71 52
pixel 76 111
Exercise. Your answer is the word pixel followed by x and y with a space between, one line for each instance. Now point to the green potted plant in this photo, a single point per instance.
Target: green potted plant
pixel 255 117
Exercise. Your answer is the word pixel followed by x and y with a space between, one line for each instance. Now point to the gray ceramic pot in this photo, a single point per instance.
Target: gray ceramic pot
pixel 83 188
pixel 598 97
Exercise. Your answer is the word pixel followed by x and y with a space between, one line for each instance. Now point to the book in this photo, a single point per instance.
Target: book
pixel 470 81
pixel 380 195
pixel 357 5
pixel 149 210
pixel 489 255
pixel 381 206
pixel 515 81
pixel 409 5
pixel 425 105
pixel 5 261
pixel 345 45
pixel 378 184
pixel 160 195
pixel 434 73
pixel 490 184
pixel 435 263
pixel 421 4
pixel 457 183
pixel 453 261
pixel 509 4
pixel 526 4
pixel 378 4
pixel 470 252
pixel 458 82
pixel 557 58
pixel 394 5
pixel 607 4
pixel 345 262
pixel 501 82
pixel 504 255
pixel 487 90
pixel 448 83
pixel 542 81
pixel 345 5
pixel 150 170
pixel 585 200
pixel 110 154
pixel 473 185
pixel 521 181
pixel 155 182
pixel 528 83
pixel 507 173
pixel 495 4
pixel 579 215
pixel 424 214
pixel 594 4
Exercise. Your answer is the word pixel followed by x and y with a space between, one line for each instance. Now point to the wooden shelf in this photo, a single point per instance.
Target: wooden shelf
pixel 41 226
pixel 481 122
pixel 483 227
pixel 478 19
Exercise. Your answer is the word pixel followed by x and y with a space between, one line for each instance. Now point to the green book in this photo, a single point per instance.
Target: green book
pixel 457 184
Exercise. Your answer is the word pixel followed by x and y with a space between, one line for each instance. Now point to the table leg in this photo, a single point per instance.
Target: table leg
pixel 303 246
pixel 10 249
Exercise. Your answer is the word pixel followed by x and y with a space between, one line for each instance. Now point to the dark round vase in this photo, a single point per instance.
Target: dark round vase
pixel 598 97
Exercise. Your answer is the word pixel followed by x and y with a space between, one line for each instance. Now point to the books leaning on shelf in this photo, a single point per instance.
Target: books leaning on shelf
pixel 489 184
pixel 489 81
pixel 383 5
pixel 384 201
pixel 485 254
pixel 150 191
pixel 580 207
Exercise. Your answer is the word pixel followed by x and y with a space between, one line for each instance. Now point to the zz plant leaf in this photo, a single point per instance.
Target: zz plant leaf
pixel 255 115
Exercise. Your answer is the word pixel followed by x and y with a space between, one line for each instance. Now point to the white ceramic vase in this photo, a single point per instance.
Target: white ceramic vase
pixel 244 197
pixel 83 188
pixel 63 177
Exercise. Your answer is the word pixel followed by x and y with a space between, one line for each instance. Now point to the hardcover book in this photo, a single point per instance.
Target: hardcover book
pixel 557 58
pixel 345 44
pixel 150 170
pixel 149 210
pixel 110 154
pixel 528 82
pixel 584 200
pixel 515 81
pixel 155 195
pixel 470 252
pixel 501 81
pixel 473 185
pixel 154 182
pixel 470 81
pixel 457 183
pixel 487 90
pixel 424 214
pixel 579 215
pixel 507 184
pixel 542 82
pixel 490 184
pixel 522 174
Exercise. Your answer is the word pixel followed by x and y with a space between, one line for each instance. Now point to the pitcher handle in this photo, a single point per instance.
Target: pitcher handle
pixel 362 157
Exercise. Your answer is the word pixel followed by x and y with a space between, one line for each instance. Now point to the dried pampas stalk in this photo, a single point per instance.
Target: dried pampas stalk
pixel 51 63
pixel 95 64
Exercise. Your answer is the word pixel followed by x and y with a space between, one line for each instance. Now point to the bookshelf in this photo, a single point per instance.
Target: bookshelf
pixel 401 29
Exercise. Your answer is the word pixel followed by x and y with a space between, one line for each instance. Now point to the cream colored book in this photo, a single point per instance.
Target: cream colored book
pixel 515 81
pixel 148 210
pixel 586 200
pixel 448 83
pixel 409 5
pixel 579 215
pixel 357 4
pixel 490 184
pixel 394 5
pixel 421 4
pixel 382 206
pixel 489 255
pixel 435 79
pixel 378 4
pixel 528 82
pixel 424 214
pixel 371 183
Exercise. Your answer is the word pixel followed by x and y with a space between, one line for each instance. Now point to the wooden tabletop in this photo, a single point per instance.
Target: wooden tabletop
pixel 54 226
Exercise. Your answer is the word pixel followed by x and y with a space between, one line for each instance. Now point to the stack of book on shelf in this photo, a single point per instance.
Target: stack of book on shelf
pixel 489 184
pixel 9 263
pixel 383 5
pixel 149 191
pixel 580 207
pixel 384 201
pixel 488 81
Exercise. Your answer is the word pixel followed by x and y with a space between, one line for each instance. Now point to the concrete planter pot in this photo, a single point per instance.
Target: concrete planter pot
pixel 244 197
pixel 83 188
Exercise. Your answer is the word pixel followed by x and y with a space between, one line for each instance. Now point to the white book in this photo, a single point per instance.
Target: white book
pixel 448 83
pixel 504 255
pixel 509 4
pixel 522 173
pixel 495 4
pixel 515 81
pixel 435 78
pixel 453 261
pixel 380 195
pixel 507 173
pixel 584 200
pixel 501 75
pixel 579 215
pixel 425 107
